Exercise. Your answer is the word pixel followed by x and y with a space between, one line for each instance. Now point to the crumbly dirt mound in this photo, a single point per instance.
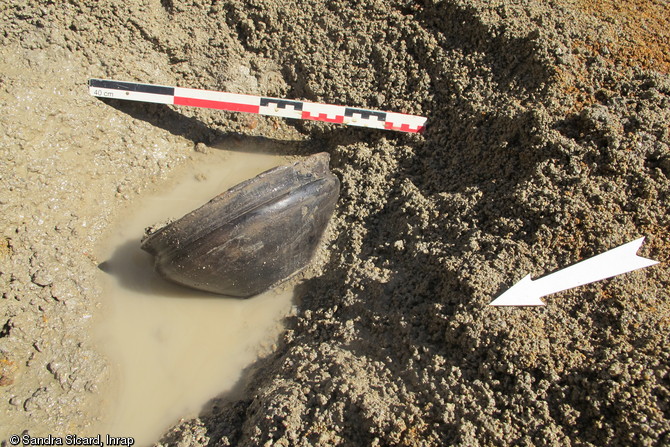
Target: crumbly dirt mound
pixel 634 32
pixel 515 175
pixel 542 149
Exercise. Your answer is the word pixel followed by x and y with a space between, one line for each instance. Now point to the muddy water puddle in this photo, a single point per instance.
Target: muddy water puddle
pixel 173 349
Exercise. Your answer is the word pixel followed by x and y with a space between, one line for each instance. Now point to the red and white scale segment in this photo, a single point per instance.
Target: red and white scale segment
pixel 235 102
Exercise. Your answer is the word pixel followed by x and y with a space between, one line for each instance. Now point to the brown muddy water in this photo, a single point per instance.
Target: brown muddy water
pixel 172 348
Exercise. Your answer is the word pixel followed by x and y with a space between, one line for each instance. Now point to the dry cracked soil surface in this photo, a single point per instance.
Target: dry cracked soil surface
pixel 547 143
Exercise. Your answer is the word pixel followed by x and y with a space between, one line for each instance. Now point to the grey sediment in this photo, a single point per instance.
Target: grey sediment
pixel 546 143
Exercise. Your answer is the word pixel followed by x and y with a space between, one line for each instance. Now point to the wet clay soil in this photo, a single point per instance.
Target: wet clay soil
pixel 547 143
pixel 171 348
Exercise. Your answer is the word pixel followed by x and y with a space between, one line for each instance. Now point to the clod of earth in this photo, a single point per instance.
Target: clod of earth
pixel 252 236
pixel 7 371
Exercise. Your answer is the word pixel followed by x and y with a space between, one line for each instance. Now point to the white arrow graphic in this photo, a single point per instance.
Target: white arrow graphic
pixel 619 260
